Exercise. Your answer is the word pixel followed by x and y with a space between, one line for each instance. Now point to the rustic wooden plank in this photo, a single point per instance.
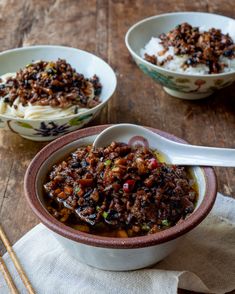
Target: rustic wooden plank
pixel 102 36
pixel 69 23
pixel 15 156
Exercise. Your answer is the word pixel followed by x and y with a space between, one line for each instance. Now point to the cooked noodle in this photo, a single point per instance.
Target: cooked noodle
pixel 31 111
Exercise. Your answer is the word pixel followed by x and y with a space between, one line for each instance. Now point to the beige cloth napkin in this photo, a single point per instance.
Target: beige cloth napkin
pixel 204 262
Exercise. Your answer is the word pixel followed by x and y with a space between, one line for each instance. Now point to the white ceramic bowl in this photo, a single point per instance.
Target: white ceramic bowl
pixel 84 62
pixel 180 85
pixel 106 252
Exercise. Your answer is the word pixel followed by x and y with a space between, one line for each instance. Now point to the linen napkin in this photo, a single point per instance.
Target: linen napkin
pixel 204 262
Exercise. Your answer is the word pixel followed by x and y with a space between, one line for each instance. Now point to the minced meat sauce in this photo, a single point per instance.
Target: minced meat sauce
pixel 53 83
pixel 119 191
pixel 202 47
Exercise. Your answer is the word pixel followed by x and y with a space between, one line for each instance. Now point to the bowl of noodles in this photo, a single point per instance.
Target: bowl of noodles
pixel 47 91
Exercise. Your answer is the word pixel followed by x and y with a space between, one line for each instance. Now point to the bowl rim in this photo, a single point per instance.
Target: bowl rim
pixel 49 221
pixel 86 112
pixel 164 70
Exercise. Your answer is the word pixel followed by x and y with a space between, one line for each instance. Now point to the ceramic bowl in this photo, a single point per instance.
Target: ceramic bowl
pixel 106 252
pixel 84 62
pixel 185 86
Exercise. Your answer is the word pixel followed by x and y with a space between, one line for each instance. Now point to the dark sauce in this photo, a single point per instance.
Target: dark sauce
pixel 119 191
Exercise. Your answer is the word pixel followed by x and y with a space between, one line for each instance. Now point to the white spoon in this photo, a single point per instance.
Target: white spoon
pixel 176 153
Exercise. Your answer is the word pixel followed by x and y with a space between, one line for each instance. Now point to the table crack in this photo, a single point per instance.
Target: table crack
pixel 5 191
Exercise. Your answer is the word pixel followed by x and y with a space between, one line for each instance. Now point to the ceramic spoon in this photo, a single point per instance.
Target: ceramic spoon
pixel 176 153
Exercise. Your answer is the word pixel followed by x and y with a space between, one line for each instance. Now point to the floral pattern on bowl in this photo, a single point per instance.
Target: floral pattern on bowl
pixel 196 85
pixel 45 130
pixel 51 129
pixel 166 81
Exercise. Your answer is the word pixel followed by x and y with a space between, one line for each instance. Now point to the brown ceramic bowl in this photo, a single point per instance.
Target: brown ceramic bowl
pixel 106 252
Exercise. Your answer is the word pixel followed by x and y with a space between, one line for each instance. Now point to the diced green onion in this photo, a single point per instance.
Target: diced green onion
pixel 165 223
pixel 97 208
pixel 105 214
pixel 107 162
pixel 145 227
pixel 77 189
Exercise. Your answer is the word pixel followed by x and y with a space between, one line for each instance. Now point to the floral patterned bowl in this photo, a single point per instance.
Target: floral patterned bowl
pixel 84 62
pixel 185 86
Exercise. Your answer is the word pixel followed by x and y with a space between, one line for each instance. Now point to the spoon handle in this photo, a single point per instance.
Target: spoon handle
pixel 205 156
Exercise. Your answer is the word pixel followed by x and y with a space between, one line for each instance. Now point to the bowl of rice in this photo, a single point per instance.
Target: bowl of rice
pixel 47 91
pixel 191 54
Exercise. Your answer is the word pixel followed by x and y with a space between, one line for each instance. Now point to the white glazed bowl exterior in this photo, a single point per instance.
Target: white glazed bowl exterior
pixel 185 86
pixel 111 258
pixel 118 259
pixel 84 62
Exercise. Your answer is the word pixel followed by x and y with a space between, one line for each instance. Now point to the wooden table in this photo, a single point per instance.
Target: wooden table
pixel 100 27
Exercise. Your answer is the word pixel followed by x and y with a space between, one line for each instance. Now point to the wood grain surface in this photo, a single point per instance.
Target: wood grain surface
pixel 99 27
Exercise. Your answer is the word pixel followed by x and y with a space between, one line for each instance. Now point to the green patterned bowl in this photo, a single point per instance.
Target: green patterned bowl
pixel 84 62
pixel 185 86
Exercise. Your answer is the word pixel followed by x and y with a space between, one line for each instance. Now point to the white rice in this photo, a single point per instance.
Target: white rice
pixel 230 29
pixel 153 47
